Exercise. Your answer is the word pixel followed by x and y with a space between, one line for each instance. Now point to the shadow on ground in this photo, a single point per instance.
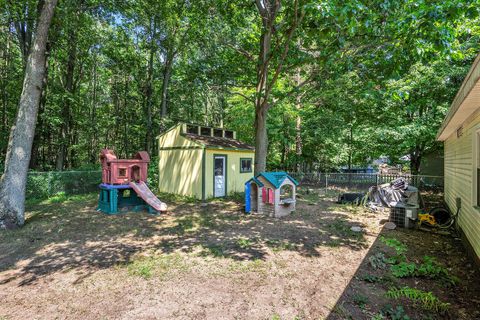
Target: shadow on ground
pixel 72 235
pixel 366 295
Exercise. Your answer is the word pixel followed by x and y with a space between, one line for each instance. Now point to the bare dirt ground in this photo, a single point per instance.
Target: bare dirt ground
pixel 214 262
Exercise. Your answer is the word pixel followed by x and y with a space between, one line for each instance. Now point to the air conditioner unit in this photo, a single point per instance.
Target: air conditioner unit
pixel 404 216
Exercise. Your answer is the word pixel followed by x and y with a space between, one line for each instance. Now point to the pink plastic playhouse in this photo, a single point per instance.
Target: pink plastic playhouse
pixel 124 184
pixel 123 171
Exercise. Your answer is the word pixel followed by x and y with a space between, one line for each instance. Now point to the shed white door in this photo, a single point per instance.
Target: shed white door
pixel 219 172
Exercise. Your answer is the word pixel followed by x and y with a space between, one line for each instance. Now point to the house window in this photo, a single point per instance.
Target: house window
pixel 245 165
pixel 286 192
pixel 122 172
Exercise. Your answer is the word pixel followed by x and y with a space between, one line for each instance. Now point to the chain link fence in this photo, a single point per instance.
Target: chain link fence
pixel 362 181
pixel 42 185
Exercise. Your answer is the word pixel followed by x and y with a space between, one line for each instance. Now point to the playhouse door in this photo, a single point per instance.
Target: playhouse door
pixel 219 179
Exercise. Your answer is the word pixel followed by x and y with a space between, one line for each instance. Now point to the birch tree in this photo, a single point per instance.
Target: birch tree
pixel 14 178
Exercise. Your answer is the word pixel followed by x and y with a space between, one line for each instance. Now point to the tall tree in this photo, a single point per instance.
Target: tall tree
pixel 14 178
pixel 266 78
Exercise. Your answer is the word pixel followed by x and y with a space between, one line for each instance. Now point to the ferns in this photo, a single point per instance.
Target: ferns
pixel 426 300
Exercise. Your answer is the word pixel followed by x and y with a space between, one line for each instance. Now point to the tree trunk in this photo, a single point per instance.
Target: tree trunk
pixel 268 10
pixel 415 160
pixel 166 79
pixel 350 148
pixel 125 118
pixel 149 89
pixel 6 59
pixel 298 124
pixel 93 114
pixel 66 113
pixel 14 179
pixel 34 159
pixel 261 141
pixel 261 106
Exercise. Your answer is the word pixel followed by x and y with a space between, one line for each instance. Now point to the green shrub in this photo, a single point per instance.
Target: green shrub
pixel 397 313
pixel 399 247
pixel 378 261
pixel 44 185
pixel 360 300
pixel 403 269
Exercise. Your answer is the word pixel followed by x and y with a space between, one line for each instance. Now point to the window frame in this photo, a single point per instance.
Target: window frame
pixel 122 175
pixel 251 165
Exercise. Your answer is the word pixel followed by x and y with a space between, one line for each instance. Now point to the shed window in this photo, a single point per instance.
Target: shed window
pixel 245 165
pixel 192 129
pixel 229 134
pixel 204 131
pixel 218 133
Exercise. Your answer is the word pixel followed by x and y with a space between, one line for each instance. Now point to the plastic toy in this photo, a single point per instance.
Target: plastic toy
pixel 123 184
pixel 272 193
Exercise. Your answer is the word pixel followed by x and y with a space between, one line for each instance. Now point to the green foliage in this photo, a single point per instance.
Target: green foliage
pixel 397 313
pixel 158 265
pixel 244 243
pixel 280 245
pixel 359 80
pixel 430 268
pixel 378 261
pixel 370 278
pixel 400 248
pixel 43 185
pixel 426 300
pixel 360 300
pixel 403 269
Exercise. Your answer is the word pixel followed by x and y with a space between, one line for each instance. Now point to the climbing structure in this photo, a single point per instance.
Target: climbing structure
pixel 124 184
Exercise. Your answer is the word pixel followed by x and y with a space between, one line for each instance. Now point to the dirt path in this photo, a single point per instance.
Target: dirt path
pixel 196 263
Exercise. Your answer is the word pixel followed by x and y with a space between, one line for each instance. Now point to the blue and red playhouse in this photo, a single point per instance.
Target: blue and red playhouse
pixel 124 184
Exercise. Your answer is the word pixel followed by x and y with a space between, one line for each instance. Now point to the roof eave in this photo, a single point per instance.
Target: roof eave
pixel 467 86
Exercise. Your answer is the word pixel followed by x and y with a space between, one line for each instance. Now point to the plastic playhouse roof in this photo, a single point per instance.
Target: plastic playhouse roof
pixel 275 178
pixel 258 182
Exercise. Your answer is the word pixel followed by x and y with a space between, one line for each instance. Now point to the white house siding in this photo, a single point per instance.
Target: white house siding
pixel 459 180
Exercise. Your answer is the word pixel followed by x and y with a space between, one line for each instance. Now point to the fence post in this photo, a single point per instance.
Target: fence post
pixel 376 179
pixel 49 179
pixel 326 184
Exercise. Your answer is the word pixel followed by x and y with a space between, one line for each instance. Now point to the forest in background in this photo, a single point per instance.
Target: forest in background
pixel 356 79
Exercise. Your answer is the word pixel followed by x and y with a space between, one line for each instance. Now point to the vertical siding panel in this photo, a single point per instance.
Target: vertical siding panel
pixel 459 182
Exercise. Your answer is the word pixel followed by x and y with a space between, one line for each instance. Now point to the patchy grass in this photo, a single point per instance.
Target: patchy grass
pixel 157 266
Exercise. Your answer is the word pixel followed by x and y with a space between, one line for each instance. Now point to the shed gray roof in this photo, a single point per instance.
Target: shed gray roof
pixel 218 142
